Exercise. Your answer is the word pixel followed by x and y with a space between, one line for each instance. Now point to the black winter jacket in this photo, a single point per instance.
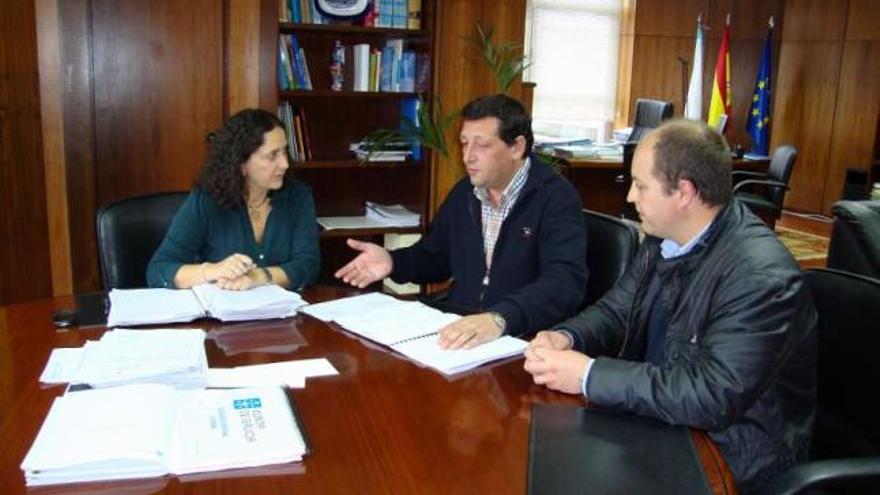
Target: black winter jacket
pixel 740 356
pixel 538 272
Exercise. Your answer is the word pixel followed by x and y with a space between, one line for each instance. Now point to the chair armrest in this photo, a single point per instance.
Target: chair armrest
pixel 746 173
pixel 825 473
pixel 768 182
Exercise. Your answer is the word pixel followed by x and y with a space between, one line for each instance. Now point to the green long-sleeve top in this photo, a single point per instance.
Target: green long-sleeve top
pixel 202 232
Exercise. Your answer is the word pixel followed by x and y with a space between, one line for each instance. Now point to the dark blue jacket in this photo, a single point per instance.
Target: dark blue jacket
pixel 201 231
pixel 538 274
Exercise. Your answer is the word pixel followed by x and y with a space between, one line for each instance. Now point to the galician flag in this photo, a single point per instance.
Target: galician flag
pixel 720 103
pixel 693 107
pixel 758 124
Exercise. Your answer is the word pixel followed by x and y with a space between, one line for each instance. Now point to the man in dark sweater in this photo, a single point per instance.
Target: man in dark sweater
pixel 510 235
pixel 712 325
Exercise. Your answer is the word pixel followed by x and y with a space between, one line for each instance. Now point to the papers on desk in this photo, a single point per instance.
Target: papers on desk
pixel 393 215
pixel 172 357
pixel 143 431
pixel 601 151
pixel 157 306
pixel 290 374
pixel 377 217
pixel 410 328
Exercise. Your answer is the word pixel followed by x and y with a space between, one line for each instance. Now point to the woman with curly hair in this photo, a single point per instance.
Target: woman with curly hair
pixel 246 222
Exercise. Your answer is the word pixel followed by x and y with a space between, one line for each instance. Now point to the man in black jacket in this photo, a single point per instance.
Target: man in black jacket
pixel 510 235
pixel 711 326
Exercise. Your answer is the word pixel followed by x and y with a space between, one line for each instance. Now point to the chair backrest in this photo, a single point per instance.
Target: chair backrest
pixel 780 169
pixel 848 306
pixel 129 231
pixel 649 114
pixel 855 238
pixel 627 210
pixel 611 245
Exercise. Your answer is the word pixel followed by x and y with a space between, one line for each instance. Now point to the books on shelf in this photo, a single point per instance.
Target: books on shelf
pixel 411 328
pixel 156 306
pixel 144 431
pixel 296 129
pixel 293 70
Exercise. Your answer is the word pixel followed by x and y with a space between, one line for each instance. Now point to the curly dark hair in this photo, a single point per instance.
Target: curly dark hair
pixel 230 147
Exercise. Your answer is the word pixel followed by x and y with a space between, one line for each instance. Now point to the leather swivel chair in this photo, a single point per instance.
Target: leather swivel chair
pixel 611 246
pixel 845 453
pixel 129 232
pixel 649 114
pixel 767 200
pixel 855 238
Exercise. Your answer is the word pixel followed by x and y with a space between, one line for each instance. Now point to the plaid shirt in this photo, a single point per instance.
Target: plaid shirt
pixel 493 216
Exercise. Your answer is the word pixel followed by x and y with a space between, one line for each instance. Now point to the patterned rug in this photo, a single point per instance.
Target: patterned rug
pixel 801 245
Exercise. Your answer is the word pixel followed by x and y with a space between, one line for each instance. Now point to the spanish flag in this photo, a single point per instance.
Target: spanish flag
pixel 720 103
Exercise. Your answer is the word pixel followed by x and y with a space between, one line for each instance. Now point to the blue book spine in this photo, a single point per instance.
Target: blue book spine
pixel 386 67
pixel 298 69
pixel 408 72
pixel 400 14
pixel 386 13
pixel 295 14
pixel 409 110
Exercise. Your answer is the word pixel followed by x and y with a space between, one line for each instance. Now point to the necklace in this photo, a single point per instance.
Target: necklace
pixel 258 205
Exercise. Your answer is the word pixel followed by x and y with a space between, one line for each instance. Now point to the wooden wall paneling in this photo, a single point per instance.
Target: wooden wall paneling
pixel 748 19
pixel 855 116
pixel 625 63
pixel 458 77
pixel 158 72
pixel 51 109
pixel 803 115
pixel 656 71
pixel 24 250
pixel 815 20
pixel 243 61
pixel 863 22
pixel 74 28
pixel 665 18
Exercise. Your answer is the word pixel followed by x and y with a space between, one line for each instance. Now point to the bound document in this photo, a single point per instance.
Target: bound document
pixel 410 328
pixel 157 306
pixel 142 431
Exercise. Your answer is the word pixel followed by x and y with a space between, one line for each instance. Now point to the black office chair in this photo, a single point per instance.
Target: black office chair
pixel 845 454
pixel 649 114
pixel 768 199
pixel 611 245
pixel 627 210
pixel 855 238
pixel 129 231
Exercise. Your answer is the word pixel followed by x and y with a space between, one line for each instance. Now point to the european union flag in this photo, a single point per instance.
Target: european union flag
pixel 758 123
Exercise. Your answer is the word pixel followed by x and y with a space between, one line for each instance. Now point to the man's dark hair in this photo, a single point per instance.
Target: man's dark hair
pixel 692 151
pixel 514 120
pixel 230 147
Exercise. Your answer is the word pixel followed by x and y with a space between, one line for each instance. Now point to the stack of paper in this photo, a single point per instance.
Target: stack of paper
pixel 410 328
pixel 172 357
pixel 142 431
pixel 393 215
pixel 156 306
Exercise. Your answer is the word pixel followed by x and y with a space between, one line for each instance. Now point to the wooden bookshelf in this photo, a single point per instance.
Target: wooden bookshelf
pixel 334 119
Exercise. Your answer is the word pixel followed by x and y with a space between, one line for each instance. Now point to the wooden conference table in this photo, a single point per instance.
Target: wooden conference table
pixel 383 425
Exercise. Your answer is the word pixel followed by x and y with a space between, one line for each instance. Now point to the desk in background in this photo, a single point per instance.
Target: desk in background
pixel 600 186
pixel 383 425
